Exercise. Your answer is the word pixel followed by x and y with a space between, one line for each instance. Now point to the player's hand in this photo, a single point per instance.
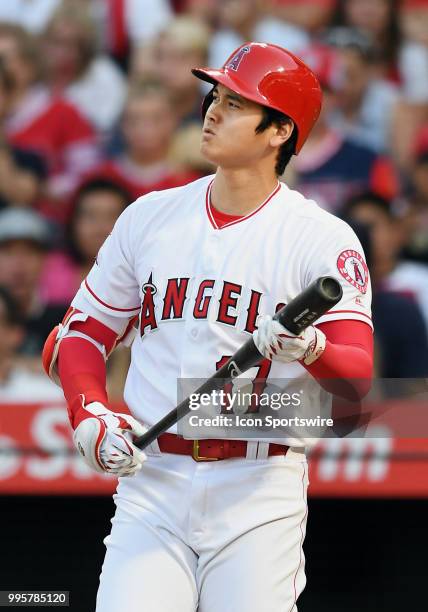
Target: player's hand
pixel 275 342
pixel 105 441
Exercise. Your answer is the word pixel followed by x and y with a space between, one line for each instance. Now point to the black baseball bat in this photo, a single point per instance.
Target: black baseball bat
pixel 302 311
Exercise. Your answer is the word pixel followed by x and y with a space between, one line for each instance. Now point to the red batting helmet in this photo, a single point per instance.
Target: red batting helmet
pixel 274 77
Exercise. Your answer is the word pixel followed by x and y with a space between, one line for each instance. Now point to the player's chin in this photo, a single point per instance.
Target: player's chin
pixel 210 151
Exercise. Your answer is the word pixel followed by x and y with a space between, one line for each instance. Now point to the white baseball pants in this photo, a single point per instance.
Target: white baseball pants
pixel 215 536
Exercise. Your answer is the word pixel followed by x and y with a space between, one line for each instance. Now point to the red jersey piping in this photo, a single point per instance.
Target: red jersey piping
pixel 332 312
pixel 108 305
pixel 245 217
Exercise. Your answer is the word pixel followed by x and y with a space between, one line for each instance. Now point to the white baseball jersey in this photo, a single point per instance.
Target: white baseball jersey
pixel 199 289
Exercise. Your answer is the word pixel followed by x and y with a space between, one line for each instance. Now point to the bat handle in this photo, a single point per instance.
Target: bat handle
pixel 310 305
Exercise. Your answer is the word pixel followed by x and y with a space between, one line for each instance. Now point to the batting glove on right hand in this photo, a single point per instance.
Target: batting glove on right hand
pixel 105 441
pixel 274 341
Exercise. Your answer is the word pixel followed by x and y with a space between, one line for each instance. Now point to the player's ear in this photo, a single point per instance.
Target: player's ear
pixel 282 133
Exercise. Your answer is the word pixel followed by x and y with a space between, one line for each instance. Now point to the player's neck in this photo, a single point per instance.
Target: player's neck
pixel 238 192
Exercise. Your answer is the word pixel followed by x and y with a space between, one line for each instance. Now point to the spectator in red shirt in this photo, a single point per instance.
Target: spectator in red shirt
pixel 22 172
pixel 43 122
pixel 148 128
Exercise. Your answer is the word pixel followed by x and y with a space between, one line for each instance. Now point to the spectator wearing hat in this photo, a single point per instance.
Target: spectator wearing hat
pixel 332 166
pixel 24 243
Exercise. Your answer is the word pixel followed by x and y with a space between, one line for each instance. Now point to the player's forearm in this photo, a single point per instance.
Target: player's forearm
pixel 345 370
pixel 82 371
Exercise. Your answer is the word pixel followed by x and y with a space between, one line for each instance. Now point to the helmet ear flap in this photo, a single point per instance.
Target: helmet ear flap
pixel 207 101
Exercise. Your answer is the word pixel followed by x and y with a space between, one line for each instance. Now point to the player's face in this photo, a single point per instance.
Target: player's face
pixel 229 137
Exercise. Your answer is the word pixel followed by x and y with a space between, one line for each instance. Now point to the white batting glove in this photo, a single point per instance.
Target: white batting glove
pixel 275 342
pixel 105 441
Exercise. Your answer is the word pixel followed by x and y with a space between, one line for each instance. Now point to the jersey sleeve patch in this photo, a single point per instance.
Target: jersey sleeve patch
pixel 353 268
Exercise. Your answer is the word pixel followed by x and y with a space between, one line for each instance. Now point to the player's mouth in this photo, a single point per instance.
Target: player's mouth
pixel 208 132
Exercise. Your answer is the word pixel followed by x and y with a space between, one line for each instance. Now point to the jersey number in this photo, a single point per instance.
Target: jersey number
pixel 257 387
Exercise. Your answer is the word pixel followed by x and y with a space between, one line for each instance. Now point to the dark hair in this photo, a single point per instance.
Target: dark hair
pixel 101 183
pixel 272 116
pixel 92 185
pixel 377 201
pixel 12 312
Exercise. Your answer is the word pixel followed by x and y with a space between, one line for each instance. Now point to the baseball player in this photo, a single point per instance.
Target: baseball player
pixel 217 524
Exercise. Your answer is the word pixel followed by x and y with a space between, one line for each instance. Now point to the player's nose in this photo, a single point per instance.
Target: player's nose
pixel 213 113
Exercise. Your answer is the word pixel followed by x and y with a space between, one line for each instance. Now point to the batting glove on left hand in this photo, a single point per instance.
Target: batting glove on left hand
pixel 274 341
pixel 105 441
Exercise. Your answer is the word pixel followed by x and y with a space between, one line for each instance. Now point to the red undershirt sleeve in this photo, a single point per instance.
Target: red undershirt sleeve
pixel 346 365
pixel 82 371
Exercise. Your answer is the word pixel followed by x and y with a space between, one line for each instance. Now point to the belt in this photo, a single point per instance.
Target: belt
pixel 211 450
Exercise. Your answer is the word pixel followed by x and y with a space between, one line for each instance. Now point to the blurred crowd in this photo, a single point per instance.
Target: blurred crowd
pixel 98 106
